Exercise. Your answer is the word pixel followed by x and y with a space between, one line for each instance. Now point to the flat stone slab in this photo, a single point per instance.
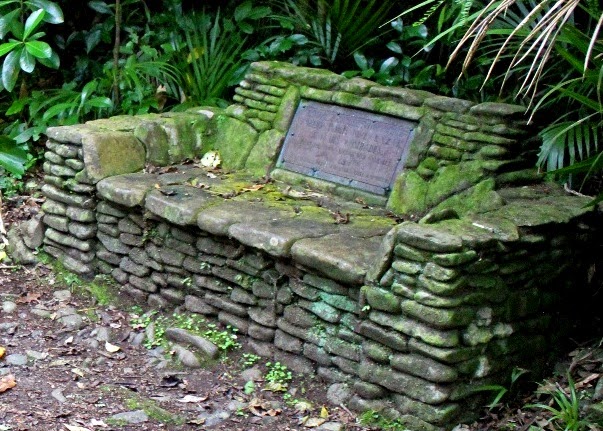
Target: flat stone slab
pixel 277 237
pixel 179 204
pixel 341 257
pixel 217 219
pixel 128 190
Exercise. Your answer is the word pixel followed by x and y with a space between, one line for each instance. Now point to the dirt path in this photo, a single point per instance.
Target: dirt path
pixel 77 364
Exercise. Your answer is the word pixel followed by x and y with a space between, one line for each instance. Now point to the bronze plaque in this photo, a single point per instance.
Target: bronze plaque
pixel 346 146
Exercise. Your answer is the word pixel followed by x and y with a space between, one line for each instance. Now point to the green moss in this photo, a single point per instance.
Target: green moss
pixel 452 179
pixel 408 194
pixel 233 139
pixel 382 299
pixel 153 411
pixel 265 152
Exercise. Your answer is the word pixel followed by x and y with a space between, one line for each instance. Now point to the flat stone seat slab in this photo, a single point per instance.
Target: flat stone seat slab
pixel 218 218
pixel 128 190
pixel 339 256
pixel 179 204
pixel 181 174
pixel 277 237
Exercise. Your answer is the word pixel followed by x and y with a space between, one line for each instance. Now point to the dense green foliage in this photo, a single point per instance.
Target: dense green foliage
pixel 105 58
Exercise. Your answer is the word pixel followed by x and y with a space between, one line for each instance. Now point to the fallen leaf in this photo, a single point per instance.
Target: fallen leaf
pixel 303 406
pixel 199 421
pixel 254 188
pixel 77 372
pixel 314 422
pixel 76 428
pixel 341 218
pixel 2 352
pixel 111 348
pixel 191 399
pixel 29 298
pixel 69 340
pixel 324 413
pixel 97 423
pixel 7 382
pixel 212 176
pixel 275 387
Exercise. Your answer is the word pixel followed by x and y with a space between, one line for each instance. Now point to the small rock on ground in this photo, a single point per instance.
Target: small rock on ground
pixel 186 357
pixel 9 307
pixel 134 417
pixel 16 359
pixel 62 295
pixel 213 419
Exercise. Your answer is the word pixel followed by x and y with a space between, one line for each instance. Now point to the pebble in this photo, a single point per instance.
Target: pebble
pixel 62 295
pixel 57 394
pixel 9 327
pixel 41 311
pixel 134 417
pixel 137 339
pixel 251 374
pixel 16 359
pixel 9 307
pixel 213 419
pixel 72 321
pixel 330 426
pixel 103 334
pixel 36 356
pixel 186 357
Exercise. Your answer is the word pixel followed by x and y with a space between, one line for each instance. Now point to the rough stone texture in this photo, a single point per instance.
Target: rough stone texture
pixel 411 318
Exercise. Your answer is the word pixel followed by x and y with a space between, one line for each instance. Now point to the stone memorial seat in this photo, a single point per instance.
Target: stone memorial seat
pixel 391 239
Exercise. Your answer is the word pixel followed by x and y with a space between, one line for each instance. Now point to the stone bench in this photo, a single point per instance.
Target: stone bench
pixel 314 262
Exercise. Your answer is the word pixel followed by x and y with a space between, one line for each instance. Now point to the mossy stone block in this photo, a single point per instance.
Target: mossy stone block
pixel 408 194
pixel 381 299
pixel 453 179
pixel 233 140
pixel 286 109
pixel 112 153
pixel 155 140
pixel 265 152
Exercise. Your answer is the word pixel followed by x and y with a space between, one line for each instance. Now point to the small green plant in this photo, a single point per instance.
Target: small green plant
pixel 225 340
pixel 190 322
pixel 566 409
pixel 499 390
pixel 71 280
pixel 277 373
pixel 250 359
pixel 375 419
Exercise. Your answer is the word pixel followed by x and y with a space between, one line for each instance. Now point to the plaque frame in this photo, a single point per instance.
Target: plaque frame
pixel 348 142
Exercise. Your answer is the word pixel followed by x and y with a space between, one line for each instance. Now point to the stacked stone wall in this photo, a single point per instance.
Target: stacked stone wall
pixel 69 210
pixel 461 303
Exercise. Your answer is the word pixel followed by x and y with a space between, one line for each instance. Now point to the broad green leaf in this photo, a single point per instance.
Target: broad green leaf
pixel 6 22
pixel 395 47
pixel 54 14
pixel 361 61
pixel 388 64
pixel 12 157
pixel 16 107
pixel 53 62
pixel 32 22
pixel 8 47
pixel 92 39
pixel 39 49
pixel 27 61
pixel 10 69
pixel 259 12
pixel 242 11
pixel 59 110
pixel 100 102
pixel 100 7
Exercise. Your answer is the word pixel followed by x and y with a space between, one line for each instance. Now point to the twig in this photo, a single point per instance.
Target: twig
pixel 3 240
pixel 574 192
pixel 347 411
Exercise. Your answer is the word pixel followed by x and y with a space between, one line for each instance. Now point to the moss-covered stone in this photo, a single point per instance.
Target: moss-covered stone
pixel 439 317
pixel 377 352
pixel 265 152
pixel 408 195
pixel 381 299
pixel 316 94
pixel 233 140
pixel 453 179
pixel 389 107
pixel 155 140
pixel 455 259
pixel 112 153
pixel 353 100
